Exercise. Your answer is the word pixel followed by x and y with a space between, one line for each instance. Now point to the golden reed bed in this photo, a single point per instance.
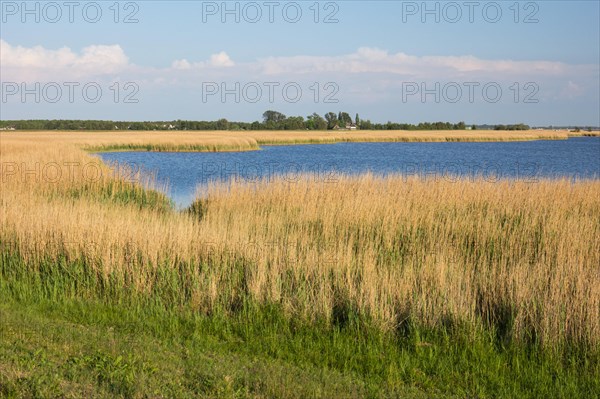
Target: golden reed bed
pixel 514 255
pixel 251 140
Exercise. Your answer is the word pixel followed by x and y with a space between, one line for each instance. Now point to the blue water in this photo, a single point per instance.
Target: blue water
pixel 185 173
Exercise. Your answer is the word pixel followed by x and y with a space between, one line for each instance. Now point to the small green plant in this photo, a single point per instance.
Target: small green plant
pixel 118 373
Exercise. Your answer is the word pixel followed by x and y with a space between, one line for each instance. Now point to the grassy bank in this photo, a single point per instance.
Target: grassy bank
pixel 86 348
pixel 361 287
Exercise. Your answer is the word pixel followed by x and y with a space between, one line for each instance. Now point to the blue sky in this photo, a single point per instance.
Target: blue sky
pixel 377 58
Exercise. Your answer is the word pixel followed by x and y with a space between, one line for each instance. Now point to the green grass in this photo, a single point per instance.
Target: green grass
pixel 334 140
pixel 124 193
pixel 69 332
pixel 170 148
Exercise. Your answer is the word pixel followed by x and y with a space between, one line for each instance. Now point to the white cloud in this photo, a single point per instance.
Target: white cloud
pixel 365 68
pixel 39 63
pixel 373 60
pixel 181 64
pixel 221 60
pixel 572 90
pixel 109 59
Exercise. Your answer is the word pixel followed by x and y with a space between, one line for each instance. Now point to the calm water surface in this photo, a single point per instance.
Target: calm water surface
pixel 185 173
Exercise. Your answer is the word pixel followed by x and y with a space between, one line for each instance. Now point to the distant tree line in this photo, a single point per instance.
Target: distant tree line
pixel 271 120
pixel 578 129
pixel 519 126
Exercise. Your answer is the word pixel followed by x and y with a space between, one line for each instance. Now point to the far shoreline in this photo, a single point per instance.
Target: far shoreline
pixel 242 141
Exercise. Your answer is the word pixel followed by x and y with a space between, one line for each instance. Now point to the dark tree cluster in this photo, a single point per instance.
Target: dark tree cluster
pixel 519 126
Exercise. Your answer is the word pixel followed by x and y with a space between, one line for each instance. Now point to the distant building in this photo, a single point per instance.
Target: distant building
pixel 349 126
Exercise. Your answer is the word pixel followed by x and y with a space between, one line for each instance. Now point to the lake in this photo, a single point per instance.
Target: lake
pixel 185 173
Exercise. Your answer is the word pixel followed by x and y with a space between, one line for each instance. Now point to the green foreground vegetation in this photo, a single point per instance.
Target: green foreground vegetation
pixel 66 332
